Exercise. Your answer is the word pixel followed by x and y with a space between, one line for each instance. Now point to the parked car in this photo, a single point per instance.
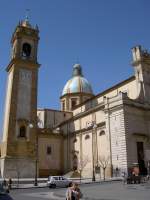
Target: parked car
pixel 3 189
pixel 58 181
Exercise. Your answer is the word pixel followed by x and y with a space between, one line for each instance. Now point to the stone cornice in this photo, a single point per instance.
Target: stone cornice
pixel 82 114
pixel 47 133
pixel 137 104
pixel 72 134
pixel 22 62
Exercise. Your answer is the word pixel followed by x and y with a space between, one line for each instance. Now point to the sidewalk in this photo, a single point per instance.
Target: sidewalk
pixel 23 185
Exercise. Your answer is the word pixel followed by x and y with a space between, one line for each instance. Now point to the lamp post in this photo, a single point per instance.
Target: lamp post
pixel 36 155
pixel 94 146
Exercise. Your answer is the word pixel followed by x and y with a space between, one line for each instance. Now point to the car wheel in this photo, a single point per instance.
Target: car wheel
pixel 54 185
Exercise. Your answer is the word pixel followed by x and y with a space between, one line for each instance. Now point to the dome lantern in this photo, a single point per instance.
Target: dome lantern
pixel 76 90
pixel 77 70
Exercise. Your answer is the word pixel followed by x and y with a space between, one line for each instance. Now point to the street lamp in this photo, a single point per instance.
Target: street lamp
pixel 94 146
pixel 36 155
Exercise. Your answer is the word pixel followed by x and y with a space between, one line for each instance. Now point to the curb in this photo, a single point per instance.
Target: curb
pixel 82 183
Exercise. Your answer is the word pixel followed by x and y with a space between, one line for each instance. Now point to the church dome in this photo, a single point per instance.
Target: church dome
pixel 77 84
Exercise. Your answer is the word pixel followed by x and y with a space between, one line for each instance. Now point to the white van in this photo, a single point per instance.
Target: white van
pixel 58 181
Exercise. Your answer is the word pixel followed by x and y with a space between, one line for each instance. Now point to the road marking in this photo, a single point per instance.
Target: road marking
pixel 45 195
pixel 55 197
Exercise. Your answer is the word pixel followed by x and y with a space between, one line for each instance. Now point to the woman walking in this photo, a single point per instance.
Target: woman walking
pixel 73 192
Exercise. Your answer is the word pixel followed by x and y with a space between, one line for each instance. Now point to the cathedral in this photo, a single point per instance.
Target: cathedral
pixel 90 134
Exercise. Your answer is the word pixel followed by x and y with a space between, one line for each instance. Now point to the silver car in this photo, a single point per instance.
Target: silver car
pixel 58 181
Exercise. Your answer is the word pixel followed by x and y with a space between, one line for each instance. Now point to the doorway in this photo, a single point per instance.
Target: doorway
pixel 140 158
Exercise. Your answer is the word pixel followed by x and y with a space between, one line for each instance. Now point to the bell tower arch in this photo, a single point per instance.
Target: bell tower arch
pixel 18 143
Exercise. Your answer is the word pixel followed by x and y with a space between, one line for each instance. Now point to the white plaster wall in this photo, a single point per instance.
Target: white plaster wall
pixel 85 120
pixel 130 88
pixel 77 124
pixel 100 116
pixel 77 110
pixel 118 140
pixel 87 154
pixel 51 118
pixel 103 143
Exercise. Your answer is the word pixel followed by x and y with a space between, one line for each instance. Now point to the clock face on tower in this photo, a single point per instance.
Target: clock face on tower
pixel 26 50
pixel 24 94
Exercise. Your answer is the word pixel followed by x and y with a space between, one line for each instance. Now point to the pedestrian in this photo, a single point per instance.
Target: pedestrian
pixel 124 176
pixel 78 192
pixel 73 192
pixel 68 192
pixel 4 183
pixel 9 184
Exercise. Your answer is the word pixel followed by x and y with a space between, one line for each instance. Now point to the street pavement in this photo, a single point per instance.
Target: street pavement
pixel 94 191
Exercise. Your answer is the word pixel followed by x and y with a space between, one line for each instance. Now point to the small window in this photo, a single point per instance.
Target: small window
pixel 22 131
pixel 87 137
pixel 102 133
pixel 73 102
pixel 49 150
pixel 56 178
pixel 63 105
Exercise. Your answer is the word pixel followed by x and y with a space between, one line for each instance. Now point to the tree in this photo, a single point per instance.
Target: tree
pixel 103 162
pixel 82 162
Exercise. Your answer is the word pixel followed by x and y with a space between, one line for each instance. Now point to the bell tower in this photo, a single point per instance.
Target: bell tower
pixel 18 143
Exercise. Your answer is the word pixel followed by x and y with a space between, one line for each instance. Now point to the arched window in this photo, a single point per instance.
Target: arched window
pixel 49 150
pixel 22 131
pixel 87 137
pixel 26 50
pixel 73 102
pixel 102 133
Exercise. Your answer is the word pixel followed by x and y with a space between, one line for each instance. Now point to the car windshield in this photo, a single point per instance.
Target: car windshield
pixel 55 178
pixel 64 178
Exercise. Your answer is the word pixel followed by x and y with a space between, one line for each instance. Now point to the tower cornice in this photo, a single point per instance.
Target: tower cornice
pixel 27 32
pixel 18 61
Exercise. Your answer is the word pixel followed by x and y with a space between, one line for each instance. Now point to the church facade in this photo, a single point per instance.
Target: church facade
pixel 91 133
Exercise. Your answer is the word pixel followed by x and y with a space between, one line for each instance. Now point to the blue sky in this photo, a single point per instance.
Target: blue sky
pixel 97 33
